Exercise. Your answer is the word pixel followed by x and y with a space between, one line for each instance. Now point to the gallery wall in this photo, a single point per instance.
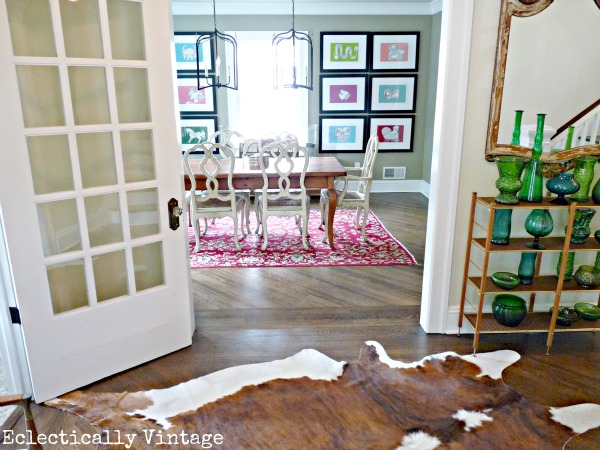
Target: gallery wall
pixel 418 161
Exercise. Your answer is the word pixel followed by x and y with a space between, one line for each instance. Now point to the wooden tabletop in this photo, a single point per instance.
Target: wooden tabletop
pixel 319 169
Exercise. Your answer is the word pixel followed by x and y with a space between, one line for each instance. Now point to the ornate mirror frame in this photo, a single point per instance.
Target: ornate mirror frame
pixel 519 8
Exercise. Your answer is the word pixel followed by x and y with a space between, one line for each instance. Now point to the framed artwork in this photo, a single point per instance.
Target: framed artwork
pixel 343 51
pixel 342 134
pixel 193 100
pixel 395 51
pixel 393 93
pixel 339 93
pixel 196 130
pixel 395 133
pixel 185 52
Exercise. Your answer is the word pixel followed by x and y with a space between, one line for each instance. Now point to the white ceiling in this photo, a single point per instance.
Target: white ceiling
pixel 308 7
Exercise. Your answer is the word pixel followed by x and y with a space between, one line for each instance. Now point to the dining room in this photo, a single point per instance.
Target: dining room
pixel 313 115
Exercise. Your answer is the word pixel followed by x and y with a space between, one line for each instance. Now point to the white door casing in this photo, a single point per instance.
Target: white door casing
pixel 102 282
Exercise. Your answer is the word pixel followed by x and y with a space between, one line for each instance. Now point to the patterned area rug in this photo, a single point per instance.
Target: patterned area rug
pixel 310 401
pixel 285 245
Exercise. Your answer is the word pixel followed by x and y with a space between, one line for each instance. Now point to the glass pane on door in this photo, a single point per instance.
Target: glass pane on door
pixel 41 96
pixel 59 226
pixel 50 163
pixel 89 95
pixel 148 266
pixel 103 219
pixel 36 37
pixel 81 28
pixel 142 206
pixel 96 159
pixel 110 275
pixel 138 155
pixel 133 104
pixel 126 30
pixel 68 288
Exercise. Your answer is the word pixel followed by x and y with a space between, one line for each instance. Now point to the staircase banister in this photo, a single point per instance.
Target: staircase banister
pixel 580 117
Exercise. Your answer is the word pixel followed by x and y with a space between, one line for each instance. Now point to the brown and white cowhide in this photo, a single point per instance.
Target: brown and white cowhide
pixel 309 401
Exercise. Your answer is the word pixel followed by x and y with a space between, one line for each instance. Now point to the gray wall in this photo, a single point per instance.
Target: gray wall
pixel 417 162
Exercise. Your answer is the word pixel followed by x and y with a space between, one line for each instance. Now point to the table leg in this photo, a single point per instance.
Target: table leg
pixel 332 207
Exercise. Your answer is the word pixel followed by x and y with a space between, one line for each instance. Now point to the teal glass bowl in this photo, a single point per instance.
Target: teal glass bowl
pixel 506 280
pixel 509 310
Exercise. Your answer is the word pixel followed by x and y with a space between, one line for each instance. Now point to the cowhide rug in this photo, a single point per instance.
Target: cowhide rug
pixel 309 401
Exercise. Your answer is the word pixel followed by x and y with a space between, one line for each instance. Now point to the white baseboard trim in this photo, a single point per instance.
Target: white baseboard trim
pixel 452 323
pixel 420 186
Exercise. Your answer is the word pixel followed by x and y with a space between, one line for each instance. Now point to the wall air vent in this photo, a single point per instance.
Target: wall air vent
pixel 394 173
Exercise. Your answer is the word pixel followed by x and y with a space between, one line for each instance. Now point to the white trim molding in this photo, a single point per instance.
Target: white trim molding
pixel 314 8
pixel 453 77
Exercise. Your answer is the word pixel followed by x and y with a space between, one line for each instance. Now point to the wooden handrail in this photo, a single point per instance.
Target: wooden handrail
pixel 576 118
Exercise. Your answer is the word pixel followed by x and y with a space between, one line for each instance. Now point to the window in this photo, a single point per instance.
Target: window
pixel 256 107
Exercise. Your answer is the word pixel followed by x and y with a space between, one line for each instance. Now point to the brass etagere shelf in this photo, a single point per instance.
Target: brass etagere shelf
pixel 535 321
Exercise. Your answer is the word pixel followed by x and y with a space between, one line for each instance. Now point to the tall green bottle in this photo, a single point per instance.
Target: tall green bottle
pixel 516 136
pixel 533 175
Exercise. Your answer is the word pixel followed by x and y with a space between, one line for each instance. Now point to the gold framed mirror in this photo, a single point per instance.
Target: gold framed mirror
pixel 531 33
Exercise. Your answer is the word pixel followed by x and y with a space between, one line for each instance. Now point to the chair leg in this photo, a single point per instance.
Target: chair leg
pixel 324 218
pixel 257 212
pixel 305 231
pixel 235 231
pixel 247 213
pixel 196 226
pixel 265 232
pixel 364 224
pixel 323 206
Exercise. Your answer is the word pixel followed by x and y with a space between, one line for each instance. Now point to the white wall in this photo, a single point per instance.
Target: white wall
pixel 476 174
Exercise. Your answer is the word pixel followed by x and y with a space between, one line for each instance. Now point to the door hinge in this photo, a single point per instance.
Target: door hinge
pixel 15 316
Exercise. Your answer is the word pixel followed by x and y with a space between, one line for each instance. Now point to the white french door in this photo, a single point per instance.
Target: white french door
pixel 89 162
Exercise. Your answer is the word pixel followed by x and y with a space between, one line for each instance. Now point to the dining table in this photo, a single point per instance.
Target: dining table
pixel 320 174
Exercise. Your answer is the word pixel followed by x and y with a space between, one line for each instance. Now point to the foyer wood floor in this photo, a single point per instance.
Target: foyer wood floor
pixel 254 315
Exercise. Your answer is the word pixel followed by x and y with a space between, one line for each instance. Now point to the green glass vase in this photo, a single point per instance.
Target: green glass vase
pixel 509 182
pixel 501 227
pixel 533 175
pixel 526 269
pixel 539 223
pixel 568 265
pixel 584 175
pixel 516 136
pixel 581 225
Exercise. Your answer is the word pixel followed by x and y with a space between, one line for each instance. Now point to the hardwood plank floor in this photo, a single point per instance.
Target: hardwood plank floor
pixel 255 315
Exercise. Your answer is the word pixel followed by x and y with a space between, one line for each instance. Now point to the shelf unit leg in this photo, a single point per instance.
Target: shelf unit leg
pixel 467 262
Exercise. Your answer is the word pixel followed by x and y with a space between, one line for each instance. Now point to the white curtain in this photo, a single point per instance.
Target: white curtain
pixel 256 107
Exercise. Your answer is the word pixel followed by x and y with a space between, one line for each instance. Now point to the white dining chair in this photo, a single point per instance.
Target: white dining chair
pixel 291 160
pixel 358 198
pixel 219 198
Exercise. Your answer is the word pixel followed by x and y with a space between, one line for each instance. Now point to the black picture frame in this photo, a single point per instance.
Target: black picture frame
pixel 344 51
pixel 396 133
pixel 392 93
pixel 343 94
pixel 342 134
pixel 196 129
pixel 394 51
pixel 185 53
pixel 192 101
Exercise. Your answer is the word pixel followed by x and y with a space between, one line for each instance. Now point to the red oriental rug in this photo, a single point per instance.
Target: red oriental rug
pixel 285 245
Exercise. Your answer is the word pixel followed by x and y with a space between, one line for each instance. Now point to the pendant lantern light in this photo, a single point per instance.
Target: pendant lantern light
pixel 293 55
pixel 226 74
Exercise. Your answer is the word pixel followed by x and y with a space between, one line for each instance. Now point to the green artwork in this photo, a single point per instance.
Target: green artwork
pixel 392 93
pixel 194 135
pixel 344 52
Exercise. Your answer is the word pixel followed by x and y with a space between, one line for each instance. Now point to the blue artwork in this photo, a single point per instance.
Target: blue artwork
pixel 186 53
pixel 342 134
